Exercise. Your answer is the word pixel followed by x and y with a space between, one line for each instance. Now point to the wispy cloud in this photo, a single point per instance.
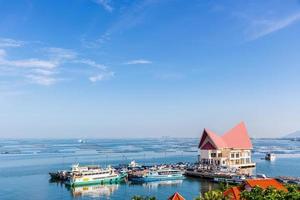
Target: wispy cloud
pixel 60 53
pixel 106 4
pixel 30 63
pixel 91 63
pixel 263 27
pixel 129 17
pixel 138 62
pixel 46 71
pixel 7 42
pixel 42 79
pixel 102 76
pixel 2 53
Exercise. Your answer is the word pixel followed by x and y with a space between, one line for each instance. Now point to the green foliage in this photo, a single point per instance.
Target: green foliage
pixel 212 195
pixel 142 198
pixel 271 194
pixel 223 186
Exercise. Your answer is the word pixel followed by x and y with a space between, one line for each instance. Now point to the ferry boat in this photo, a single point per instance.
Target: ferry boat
pixel 87 175
pixel 158 175
pixel 270 156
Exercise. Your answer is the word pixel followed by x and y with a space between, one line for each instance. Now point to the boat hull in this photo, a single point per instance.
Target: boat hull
pixel 156 178
pixel 88 181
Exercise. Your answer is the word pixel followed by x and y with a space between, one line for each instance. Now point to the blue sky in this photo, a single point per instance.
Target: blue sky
pixel 148 68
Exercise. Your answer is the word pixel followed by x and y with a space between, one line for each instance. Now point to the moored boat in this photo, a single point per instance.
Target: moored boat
pixel 270 156
pixel 158 175
pixel 87 175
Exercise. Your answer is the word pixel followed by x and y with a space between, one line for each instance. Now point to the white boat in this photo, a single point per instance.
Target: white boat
pixel 270 156
pixel 86 175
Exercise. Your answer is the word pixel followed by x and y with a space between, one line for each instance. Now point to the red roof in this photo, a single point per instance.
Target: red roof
pixel 265 183
pixel 237 138
pixel 233 193
pixel 176 196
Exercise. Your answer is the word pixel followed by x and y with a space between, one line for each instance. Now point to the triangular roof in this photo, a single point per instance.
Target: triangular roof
pixel 176 196
pixel 237 138
pixel 216 140
pixel 233 193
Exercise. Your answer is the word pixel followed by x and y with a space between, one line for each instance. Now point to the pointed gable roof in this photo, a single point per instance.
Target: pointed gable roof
pixel 216 140
pixel 176 196
pixel 237 138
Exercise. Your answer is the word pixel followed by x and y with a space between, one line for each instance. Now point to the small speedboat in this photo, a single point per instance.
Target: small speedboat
pixel 270 156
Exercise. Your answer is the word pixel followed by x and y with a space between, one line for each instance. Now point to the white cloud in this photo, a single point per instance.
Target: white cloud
pixel 265 27
pixel 138 62
pixel 60 53
pixel 30 63
pixel 45 71
pixel 102 76
pixel 7 42
pixel 91 63
pixel 106 4
pixel 2 53
pixel 42 80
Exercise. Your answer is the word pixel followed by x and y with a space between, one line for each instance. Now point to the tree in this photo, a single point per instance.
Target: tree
pixel 271 193
pixel 212 195
pixel 137 197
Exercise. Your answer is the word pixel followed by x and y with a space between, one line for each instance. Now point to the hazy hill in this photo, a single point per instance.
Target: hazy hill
pixel 295 134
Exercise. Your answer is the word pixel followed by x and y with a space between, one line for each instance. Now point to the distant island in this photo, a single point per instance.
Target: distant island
pixel 295 134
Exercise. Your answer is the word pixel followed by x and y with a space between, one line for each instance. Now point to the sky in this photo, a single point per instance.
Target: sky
pixel 148 68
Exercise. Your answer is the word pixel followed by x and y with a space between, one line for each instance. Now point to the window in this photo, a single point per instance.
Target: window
pixel 220 155
pixel 237 155
pixel 232 155
pixel 213 155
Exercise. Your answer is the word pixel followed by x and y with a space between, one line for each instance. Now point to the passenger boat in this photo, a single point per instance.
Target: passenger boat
pixel 158 175
pixel 270 156
pixel 87 175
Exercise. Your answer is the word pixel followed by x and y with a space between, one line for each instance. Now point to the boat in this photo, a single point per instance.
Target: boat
pixel 158 175
pixel 270 156
pixel 87 175
pixel 236 179
pixel 61 175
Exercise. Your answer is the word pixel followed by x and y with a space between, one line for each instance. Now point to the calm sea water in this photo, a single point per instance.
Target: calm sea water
pixel 24 166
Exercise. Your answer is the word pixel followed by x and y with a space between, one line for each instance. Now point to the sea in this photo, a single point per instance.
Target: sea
pixel 25 164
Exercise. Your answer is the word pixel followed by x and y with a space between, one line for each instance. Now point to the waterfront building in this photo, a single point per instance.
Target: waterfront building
pixel 232 149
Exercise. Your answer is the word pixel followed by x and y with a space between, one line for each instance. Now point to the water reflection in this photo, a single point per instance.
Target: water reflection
pixel 94 190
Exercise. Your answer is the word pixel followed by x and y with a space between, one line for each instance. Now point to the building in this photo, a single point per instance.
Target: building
pixel 176 196
pixel 234 193
pixel 233 149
